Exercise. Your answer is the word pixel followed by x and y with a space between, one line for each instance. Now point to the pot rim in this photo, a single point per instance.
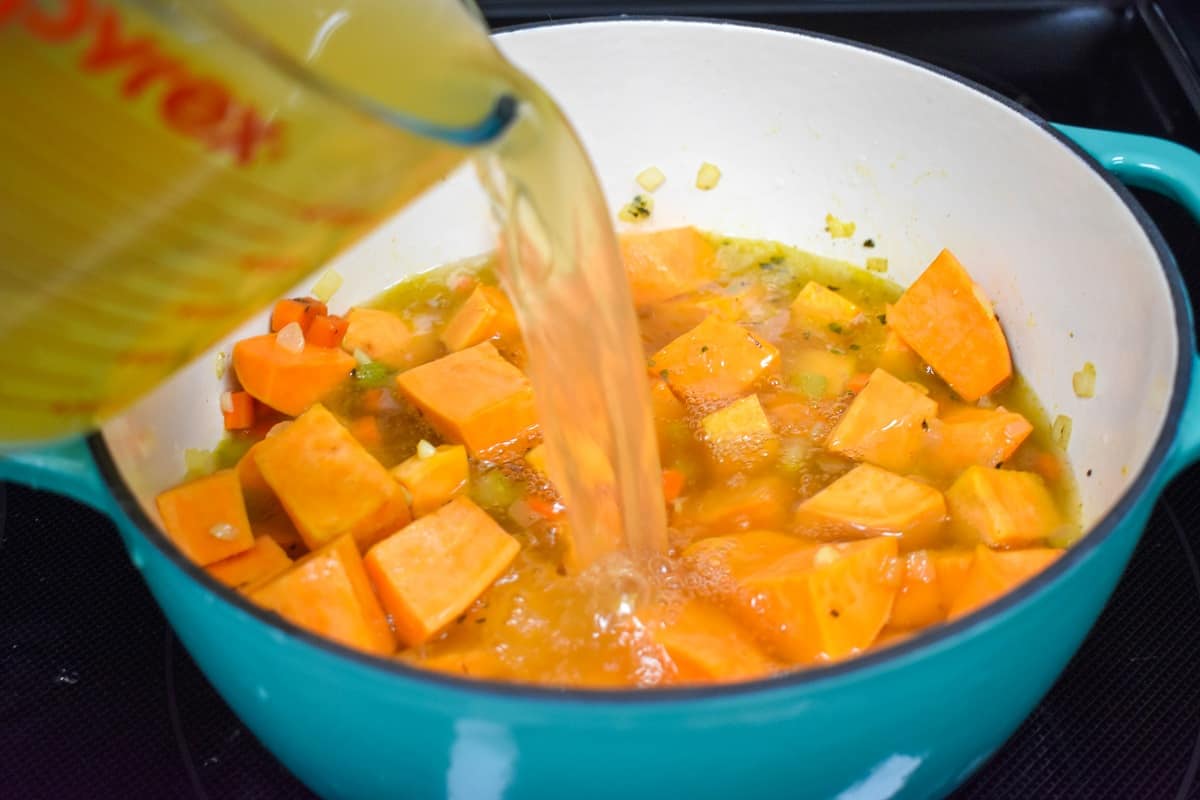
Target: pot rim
pixel 806 677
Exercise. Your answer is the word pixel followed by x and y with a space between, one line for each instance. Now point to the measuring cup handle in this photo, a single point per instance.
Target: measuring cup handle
pixel 1173 170
pixel 65 467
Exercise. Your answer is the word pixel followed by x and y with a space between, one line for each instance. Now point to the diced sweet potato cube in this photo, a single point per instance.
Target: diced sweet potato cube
pixel 946 318
pixel 736 303
pixel 869 501
pixel 664 404
pixel 952 568
pixel 822 603
pixel 898 358
pixel 740 433
pixel 819 308
pixel 434 479
pixel 965 436
pixel 264 560
pixel 328 483
pixel 714 360
pixel 473 397
pixel 206 518
pixel 431 571
pixel 994 573
pixel 737 556
pixel 663 264
pixel 327 592
pixel 487 313
pixel 886 424
pixel 820 374
pixel 287 381
pixel 919 600
pixel 761 502
pixel 381 335
pixel 706 646
pixel 1002 508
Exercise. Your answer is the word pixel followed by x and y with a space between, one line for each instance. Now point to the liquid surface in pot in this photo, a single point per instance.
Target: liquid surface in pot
pixel 827 491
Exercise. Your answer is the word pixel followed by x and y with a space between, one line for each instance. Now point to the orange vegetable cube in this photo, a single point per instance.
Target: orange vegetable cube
pixel 366 431
pixel 1002 508
pixel 952 568
pixel 327 592
pixel 434 569
pixel 263 561
pixel 328 483
pixel 898 358
pixel 287 381
pixel 434 479
pixel 665 406
pixel 819 308
pixel 715 360
pixel 718 559
pixel 473 397
pixel 382 335
pixel 885 424
pixel 673 482
pixel 948 320
pixel 663 264
pixel 240 414
pixel 760 502
pixel 740 433
pixel 300 310
pixel 327 331
pixel 965 436
pixel 869 501
pixel 206 518
pixel 919 599
pixel 994 573
pixel 536 459
pixel 487 313
pixel 706 646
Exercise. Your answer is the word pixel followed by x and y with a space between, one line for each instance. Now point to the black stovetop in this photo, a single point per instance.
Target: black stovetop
pixel 98 699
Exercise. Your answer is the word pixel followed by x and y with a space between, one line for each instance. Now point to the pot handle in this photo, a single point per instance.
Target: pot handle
pixel 66 467
pixel 1173 170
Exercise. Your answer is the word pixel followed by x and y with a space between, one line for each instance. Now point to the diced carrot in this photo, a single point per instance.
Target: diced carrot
pixel 240 415
pixel 898 358
pixel 1001 507
pixel 540 506
pixel 869 501
pixel 965 436
pixel 328 483
pixel 822 603
pixel 858 382
pixel 714 360
pixel 206 518
pixel 434 479
pixel 673 482
pixel 287 381
pixel 706 646
pixel 263 561
pixel 885 425
pixel 487 313
pixel 366 431
pixel 919 600
pixel 431 571
pixel 994 573
pixel 663 264
pixel 740 434
pixel 819 374
pixel 762 502
pixel 382 335
pixel 300 310
pixel 327 330
pixel 946 318
pixel 327 592
pixel 474 397
pixel 820 309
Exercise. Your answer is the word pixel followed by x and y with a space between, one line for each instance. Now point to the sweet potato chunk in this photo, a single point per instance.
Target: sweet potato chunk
pixel 740 433
pixel 206 518
pixel 760 502
pixel 966 436
pixel 431 571
pixel 720 558
pixel 1002 508
pixel 706 646
pixel 432 480
pixel 381 335
pixel 473 397
pixel 286 381
pixel 898 358
pixel 663 264
pixel 885 425
pixel 819 308
pixel 948 320
pixel 327 592
pixel 487 313
pixel 714 360
pixel 918 601
pixel 869 501
pixel 328 483
pixel 993 573
pixel 264 560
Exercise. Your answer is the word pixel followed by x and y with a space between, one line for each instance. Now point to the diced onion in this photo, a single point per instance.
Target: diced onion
pixel 291 338
pixel 877 264
pixel 651 178
pixel 708 176
pixel 1084 381
pixel 1061 430
pixel 227 402
pixel 327 285
pixel 223 531
pixel 222 364
pixel 425 449
pixel 838 228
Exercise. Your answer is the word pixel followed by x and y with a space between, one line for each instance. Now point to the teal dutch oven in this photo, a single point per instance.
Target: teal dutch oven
pixel 800 126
